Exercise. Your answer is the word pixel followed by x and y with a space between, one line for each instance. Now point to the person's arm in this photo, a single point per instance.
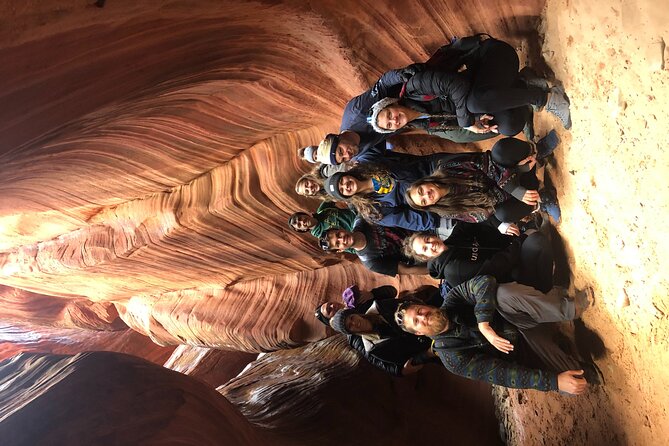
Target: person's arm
pixel 480 366
pixel 451 85
pixel 407 218
pixel 387 366
pixel 502 263
pixel 355 112
pixel 481 292
pixel 403 268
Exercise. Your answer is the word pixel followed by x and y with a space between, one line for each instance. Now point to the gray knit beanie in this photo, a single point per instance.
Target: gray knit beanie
pixel 338 321
pixel 374 113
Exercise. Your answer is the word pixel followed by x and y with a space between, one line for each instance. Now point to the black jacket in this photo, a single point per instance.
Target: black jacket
pixel 398 347
pixel 441 92
pixel 473 250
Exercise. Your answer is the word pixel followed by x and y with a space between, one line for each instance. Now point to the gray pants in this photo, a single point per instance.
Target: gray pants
pixel 530 310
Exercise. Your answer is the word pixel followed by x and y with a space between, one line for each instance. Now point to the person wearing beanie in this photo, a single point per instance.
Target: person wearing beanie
pixel 308 154
pixel 353 297
pixel 377 191
pixel 489 97
pixel 390 84
pixel 379 248
pixel 327 216
pixel 377 337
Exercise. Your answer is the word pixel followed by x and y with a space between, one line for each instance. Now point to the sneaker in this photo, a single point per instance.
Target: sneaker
pixel 558 104
pixel 532 79
pixel 547 145
pixel 549 204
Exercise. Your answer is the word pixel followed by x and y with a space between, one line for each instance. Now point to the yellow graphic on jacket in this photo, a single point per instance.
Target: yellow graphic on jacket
pixel 382 184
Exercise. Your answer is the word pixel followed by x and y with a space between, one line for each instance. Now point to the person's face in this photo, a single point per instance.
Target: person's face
pixel 424 320
pixel 308 187
pixel 340 240
pixel 356 323
pixel 348 186
pixel 303 222
pixel 345 151
pixel 330 308
pixel 429 246
pixel 392 117
pixel 425 195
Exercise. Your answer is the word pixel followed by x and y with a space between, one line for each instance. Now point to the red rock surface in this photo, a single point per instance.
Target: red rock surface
pixel 104 398
pixel 147 167
pixel 149 152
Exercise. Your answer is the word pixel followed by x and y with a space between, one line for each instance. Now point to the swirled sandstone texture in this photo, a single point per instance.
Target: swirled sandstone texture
pixel 148 155
pixel 120 399
pixel 300 391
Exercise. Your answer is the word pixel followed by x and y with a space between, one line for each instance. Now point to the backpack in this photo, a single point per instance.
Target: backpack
pixel 448 58
pixel 451 56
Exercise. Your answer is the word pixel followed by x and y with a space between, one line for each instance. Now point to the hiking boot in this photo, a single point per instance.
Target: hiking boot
pixel 547 145
pixel 558 104
pixel 549 204
pixel 532 79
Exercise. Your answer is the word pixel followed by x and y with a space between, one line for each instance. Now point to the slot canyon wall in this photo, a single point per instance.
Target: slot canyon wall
pixel 147 164
pixel 148 156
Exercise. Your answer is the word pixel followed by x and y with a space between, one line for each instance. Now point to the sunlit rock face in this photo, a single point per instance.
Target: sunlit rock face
pixel 107 398
pixel 148 153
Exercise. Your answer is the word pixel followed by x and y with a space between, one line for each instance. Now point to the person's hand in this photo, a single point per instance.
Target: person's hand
pixel 531 197
pixel 512 229
pixel 501 344
pixel 572 382
pixel 410 368
pixel 530 161
pixel 482 125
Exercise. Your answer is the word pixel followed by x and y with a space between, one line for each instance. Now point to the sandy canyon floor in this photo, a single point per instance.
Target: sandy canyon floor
pixel 611 174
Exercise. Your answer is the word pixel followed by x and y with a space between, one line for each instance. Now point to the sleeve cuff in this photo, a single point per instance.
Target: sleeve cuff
pixel 503 227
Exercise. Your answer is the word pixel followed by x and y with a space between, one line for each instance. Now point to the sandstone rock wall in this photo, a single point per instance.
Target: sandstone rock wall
pixel 148 151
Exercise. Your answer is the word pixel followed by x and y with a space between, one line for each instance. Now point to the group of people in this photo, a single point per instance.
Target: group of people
pixel 474 220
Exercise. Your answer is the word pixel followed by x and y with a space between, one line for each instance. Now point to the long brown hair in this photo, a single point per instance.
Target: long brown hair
pixel 470 202
pixel 364 204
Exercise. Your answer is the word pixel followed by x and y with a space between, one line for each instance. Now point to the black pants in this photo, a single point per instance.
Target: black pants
pixel 508 152
pixel 496 89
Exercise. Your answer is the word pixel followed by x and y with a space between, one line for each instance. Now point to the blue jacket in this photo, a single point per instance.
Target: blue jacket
pixel 405 170
pixel 357 109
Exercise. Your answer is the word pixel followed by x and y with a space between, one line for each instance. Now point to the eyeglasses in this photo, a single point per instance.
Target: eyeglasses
pixel 324 244
pixel 401 311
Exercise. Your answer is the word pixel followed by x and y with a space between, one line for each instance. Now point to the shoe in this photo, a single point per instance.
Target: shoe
pixel 592 374
pixel 535 221
pixel 581 303
pixel 532 79
pixel 528 130
pixel 547 145
pixel 549 204
pixel 558 104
